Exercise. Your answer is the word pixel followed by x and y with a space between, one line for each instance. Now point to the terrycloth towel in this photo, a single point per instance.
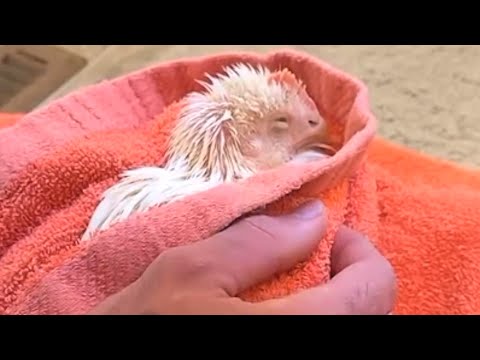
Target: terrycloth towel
pixel 8 119
pixel 421 212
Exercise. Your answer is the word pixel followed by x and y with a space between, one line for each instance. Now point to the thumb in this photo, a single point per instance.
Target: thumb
pixel 256 248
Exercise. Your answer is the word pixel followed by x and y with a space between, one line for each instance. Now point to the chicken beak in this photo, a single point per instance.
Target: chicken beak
pixel 316 142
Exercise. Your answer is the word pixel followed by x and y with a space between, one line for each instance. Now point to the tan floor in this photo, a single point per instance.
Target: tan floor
pixel 427 97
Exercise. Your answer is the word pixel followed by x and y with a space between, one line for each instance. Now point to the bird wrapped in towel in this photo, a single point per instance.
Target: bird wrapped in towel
pixel 246 120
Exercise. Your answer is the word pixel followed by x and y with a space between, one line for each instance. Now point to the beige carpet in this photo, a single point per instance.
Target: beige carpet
pixel 427 97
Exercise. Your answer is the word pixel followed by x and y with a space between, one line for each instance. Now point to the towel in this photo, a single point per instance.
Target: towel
pixel 55 162
pixel 8 119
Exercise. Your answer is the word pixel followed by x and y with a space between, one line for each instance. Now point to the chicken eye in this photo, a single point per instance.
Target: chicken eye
pixel 281 123
pixel 312 123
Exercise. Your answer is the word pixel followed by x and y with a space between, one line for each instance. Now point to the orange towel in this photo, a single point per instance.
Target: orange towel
pixel 8 119
pixel 422 213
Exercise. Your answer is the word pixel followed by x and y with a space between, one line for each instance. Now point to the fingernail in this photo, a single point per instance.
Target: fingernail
pixel 309 210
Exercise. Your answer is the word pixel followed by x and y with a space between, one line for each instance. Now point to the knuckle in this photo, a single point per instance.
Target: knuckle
pixel 377 295
pixel 258 227
pixel 264 239
pixel 392 281
pixel 249 234
pixel 172 258
pixel 184 265
pixel 198 267
pixel 388 287
pixel 387 270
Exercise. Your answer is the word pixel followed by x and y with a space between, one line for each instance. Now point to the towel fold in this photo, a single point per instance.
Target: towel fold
pixel 421 212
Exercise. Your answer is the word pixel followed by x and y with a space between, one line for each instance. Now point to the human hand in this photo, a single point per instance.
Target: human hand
pixel 206 277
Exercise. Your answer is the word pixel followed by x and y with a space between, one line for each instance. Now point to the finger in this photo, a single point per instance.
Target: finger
pixel 350 247
pixel 363 278
pixel 251 251
pixel 364 283
pixel 366 288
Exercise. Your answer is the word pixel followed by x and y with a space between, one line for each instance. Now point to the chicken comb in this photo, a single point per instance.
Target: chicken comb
pixel 287 77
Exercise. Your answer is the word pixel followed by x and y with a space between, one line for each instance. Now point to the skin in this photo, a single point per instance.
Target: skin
pixel 284 134
pixel 204 278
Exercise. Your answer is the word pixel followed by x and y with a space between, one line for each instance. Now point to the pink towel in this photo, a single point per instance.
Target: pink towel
pixel 55 163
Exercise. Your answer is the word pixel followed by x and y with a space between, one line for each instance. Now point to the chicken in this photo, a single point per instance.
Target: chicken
pixel 247 119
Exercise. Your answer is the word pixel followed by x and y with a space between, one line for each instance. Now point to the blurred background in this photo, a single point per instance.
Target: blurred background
pixel 426 97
